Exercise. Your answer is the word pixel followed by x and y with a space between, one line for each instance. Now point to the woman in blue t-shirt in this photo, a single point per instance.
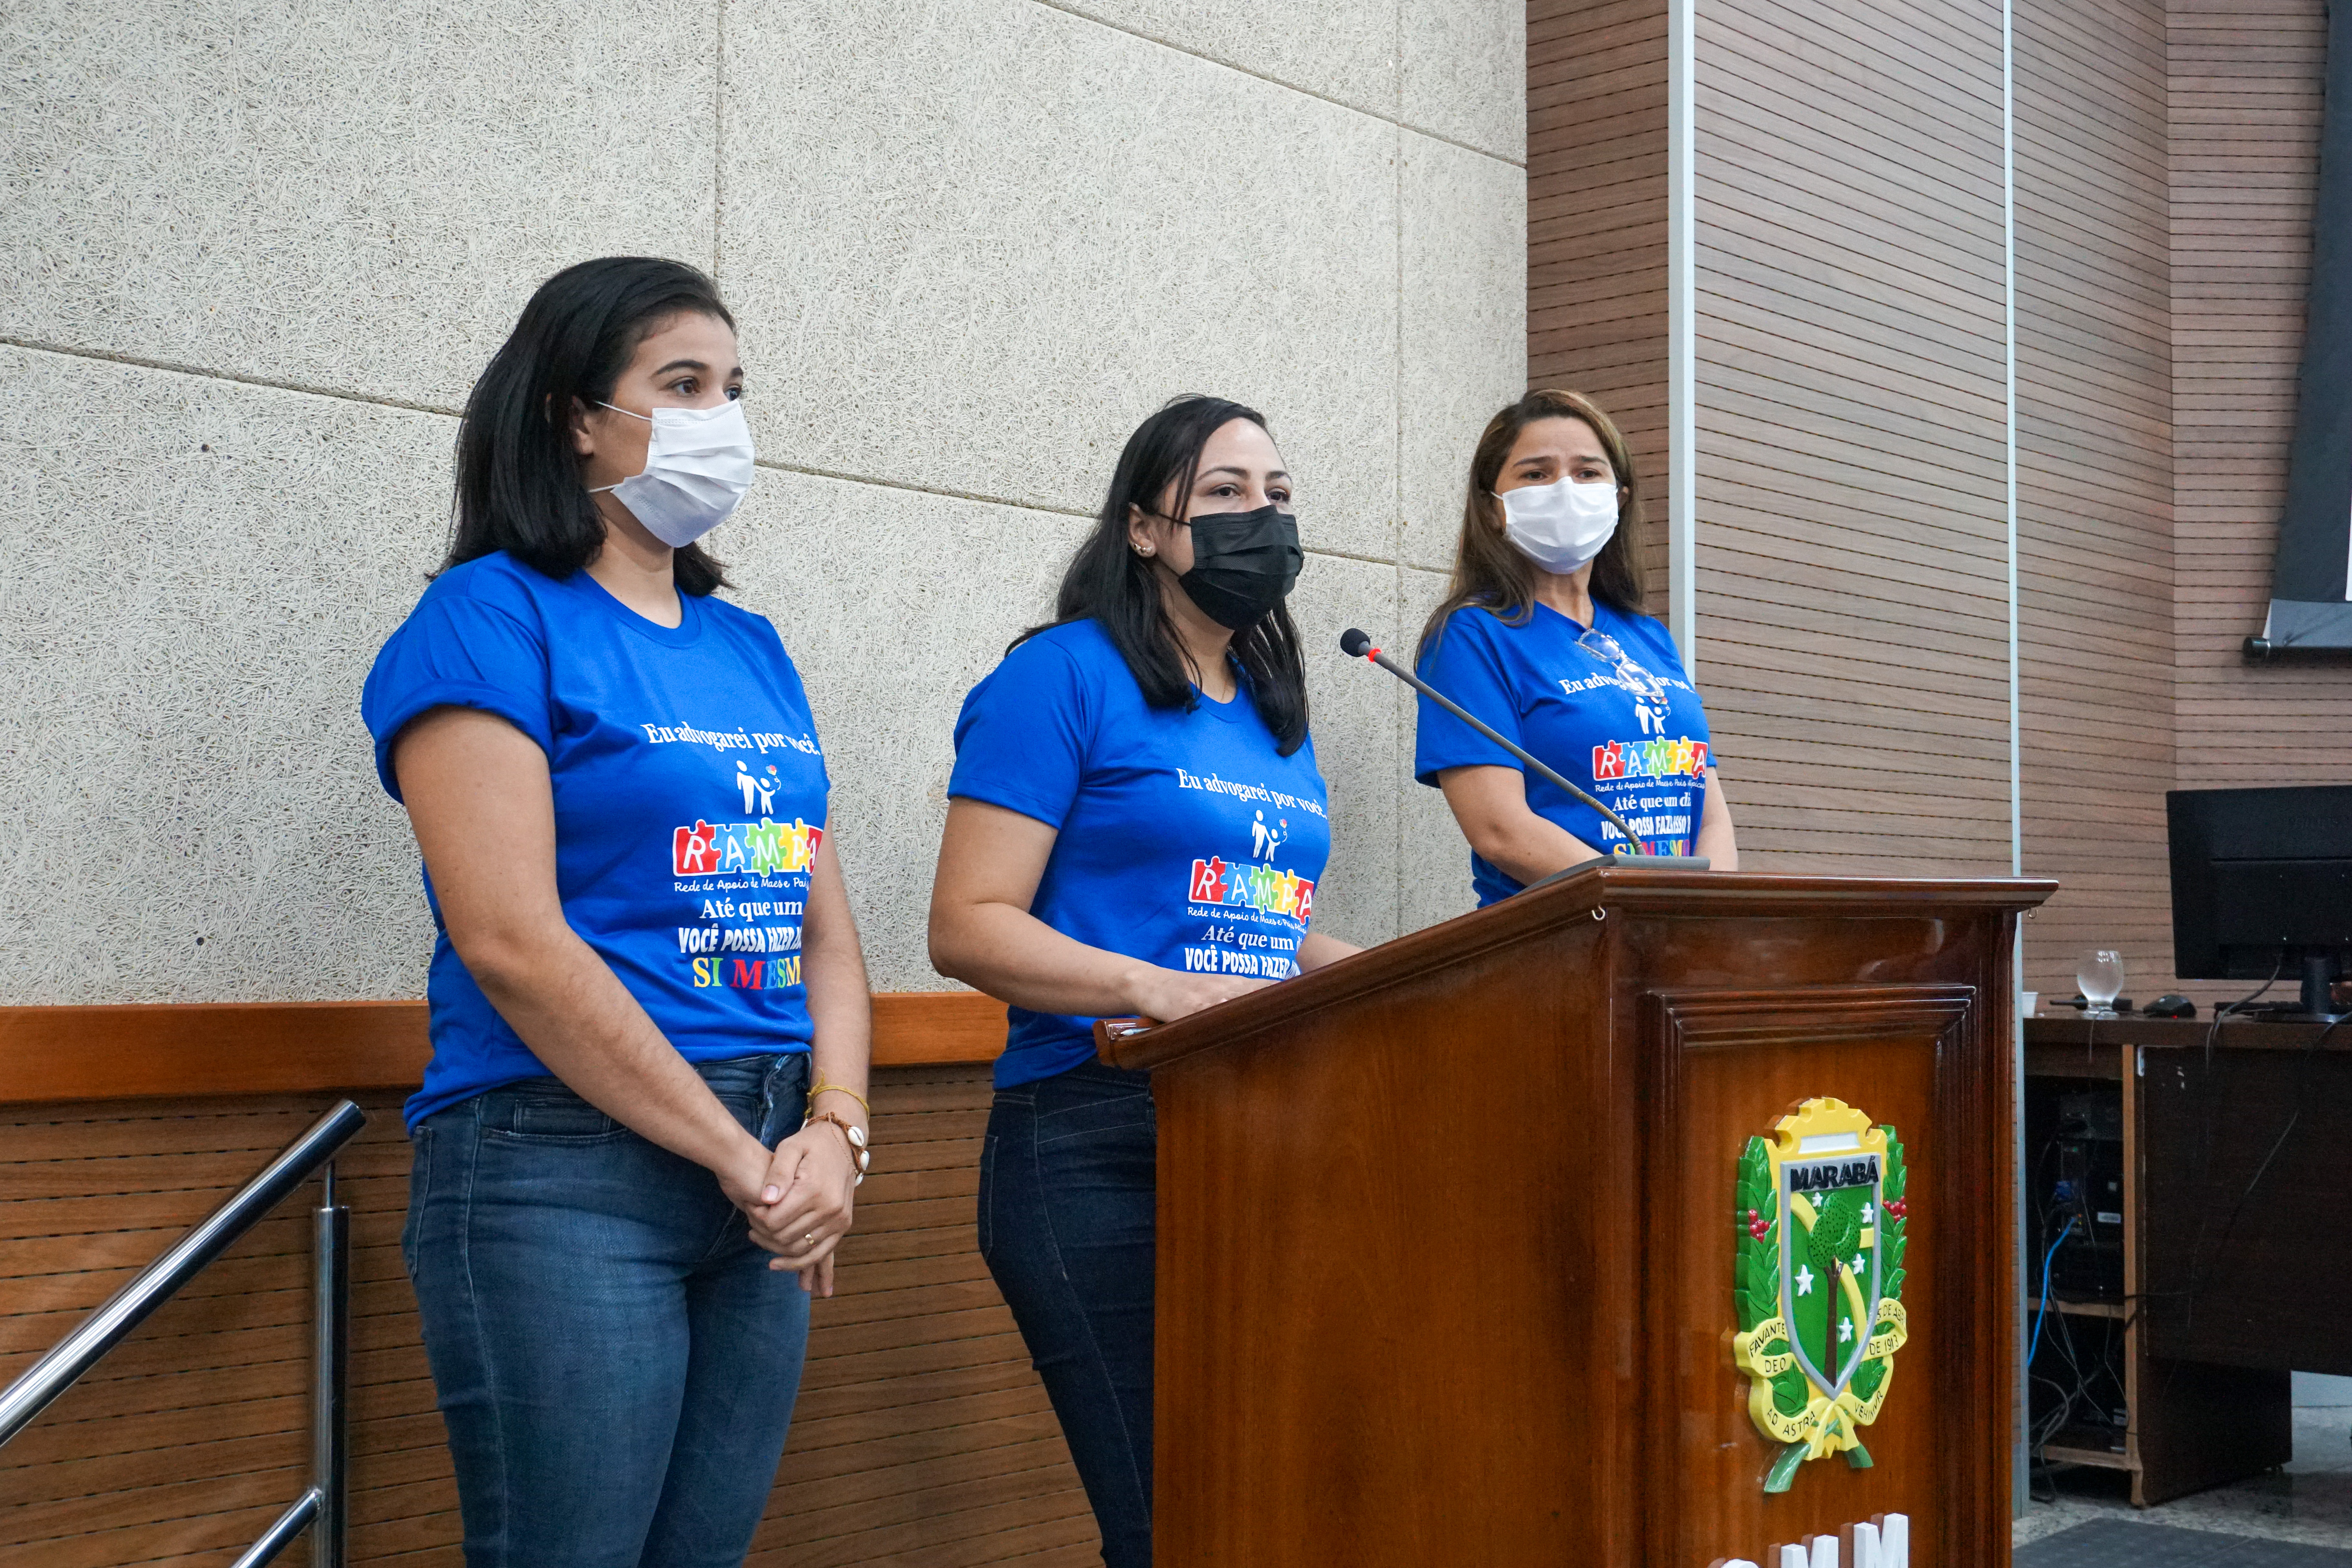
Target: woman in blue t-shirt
pixel 1135 825
pixel 1541 635
pixel 641 942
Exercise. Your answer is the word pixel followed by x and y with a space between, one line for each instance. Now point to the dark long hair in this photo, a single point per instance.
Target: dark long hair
pixel 1109 583
pixel 1488 569
pixel 519 485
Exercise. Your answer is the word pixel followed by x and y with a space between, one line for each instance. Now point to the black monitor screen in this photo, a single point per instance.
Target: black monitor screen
pixel 2261 879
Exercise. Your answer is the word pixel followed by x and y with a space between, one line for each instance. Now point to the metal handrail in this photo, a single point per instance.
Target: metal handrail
pixel 320 1508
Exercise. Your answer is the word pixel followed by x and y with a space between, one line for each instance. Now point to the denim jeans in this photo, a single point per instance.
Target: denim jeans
pixel 615 1360
pixel 1066 1216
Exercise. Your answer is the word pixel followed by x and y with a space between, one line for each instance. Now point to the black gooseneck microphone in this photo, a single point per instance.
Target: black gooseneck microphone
pixel 1356 643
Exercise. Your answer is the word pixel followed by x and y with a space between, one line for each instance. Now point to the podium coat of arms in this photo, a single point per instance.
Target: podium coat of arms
pixel 1821 1215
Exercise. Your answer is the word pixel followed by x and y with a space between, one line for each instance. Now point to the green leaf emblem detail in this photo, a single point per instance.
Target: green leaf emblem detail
pixel 1820 1313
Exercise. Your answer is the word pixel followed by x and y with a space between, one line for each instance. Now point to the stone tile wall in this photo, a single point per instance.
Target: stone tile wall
pixel 259 250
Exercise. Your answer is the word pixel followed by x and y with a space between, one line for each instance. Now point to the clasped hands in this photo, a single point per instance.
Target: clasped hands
pixel 799 1201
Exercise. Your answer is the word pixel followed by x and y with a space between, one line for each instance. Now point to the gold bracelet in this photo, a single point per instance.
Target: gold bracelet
pixel 836 1088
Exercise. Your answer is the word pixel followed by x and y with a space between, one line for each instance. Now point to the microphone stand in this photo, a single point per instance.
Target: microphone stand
pixel 1356 643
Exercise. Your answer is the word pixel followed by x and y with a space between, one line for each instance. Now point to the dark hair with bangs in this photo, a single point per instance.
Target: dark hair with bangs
pixel 1488 569
pixel 519 484
pixel 1109 583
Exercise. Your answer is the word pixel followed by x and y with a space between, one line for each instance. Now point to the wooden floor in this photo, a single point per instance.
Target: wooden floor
pixel 922 1438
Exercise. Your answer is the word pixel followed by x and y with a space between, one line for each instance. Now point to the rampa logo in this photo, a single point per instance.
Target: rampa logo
pixel 757 849
pixel 1262 887
pixel 1655 759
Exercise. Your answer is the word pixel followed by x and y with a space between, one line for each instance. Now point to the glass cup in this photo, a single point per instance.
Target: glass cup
pixel 2101 976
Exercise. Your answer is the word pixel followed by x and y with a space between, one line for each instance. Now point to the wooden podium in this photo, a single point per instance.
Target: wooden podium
pixel 1449 1268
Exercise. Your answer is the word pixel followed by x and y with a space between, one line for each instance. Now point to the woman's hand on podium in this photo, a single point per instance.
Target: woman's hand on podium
pixel 990 862
pixel 1166 994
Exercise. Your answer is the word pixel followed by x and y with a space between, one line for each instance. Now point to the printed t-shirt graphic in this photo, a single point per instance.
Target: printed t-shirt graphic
pixel 1611 710
pixel 689 799
pixel 1183 839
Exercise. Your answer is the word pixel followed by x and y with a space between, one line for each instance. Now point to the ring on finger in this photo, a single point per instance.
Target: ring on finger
pixel 808 1241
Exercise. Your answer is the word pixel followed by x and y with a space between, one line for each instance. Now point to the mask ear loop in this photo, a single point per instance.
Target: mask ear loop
pixel 607 489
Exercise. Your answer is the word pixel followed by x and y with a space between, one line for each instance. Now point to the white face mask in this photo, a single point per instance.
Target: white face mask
pixel 697 466
pixel 1560 526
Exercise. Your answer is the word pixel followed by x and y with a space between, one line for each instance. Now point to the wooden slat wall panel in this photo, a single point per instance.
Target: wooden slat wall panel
pixel 2094 482
pixel 922 1436
pixel 2246 85
pixel 1852 613
pixel 1597 227
pixel 1852 585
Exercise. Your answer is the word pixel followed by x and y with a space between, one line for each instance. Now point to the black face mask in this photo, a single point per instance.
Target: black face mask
pixel 1244 563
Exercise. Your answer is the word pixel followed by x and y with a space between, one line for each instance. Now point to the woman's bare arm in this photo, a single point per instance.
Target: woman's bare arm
pixel 479 799
pixel 1315 949
pixel 990 861
pixel 1491 806
pixel 1717 840
pixel 815 1168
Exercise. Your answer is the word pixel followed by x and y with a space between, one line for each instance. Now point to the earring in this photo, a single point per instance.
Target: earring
pixel 1143 549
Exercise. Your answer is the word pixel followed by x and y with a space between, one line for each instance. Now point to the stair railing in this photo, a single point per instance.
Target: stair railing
pixel 320 1508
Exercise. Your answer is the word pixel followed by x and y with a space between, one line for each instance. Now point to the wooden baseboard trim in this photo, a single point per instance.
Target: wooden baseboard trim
pixel 52 1055
pixel 919 1029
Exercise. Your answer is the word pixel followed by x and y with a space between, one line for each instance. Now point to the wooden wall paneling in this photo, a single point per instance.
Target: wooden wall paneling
pixel 2094 482
pixel 1597 227
pixel 1852 597
pixel 2245 92
pixel 922 1435
pixel 59 1055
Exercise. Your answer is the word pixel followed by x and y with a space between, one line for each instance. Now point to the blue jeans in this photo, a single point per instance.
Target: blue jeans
pixel 1067 1217
pixel 615 1362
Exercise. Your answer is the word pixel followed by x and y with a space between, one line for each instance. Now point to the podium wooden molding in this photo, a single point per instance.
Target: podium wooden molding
pixel 1445 1271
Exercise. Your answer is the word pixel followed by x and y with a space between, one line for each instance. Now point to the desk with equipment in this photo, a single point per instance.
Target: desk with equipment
pixel 2209 1252
pixel 2186 1181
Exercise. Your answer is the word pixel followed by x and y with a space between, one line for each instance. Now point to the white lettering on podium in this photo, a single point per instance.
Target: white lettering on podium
pixel 1883 1542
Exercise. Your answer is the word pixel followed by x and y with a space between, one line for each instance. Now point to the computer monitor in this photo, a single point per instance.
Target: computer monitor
pixel 2262 885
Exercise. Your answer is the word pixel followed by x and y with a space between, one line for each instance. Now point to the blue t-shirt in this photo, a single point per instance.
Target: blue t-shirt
pixel 1609 710
pixel 690 801
pixel 1183 839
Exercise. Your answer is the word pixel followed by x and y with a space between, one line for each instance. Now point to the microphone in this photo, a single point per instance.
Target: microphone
pixel 1356 644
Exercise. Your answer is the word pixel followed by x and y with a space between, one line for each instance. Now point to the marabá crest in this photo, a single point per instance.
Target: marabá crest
pixel 1820 1309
